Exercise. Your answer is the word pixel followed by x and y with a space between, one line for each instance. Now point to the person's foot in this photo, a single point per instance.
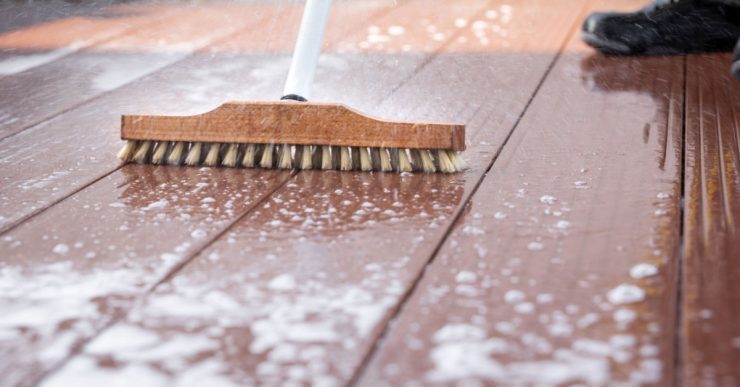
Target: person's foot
pixel 664 29
pixel 736 61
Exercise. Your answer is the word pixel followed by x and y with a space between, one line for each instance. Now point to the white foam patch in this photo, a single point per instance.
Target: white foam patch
pixel 61 249
pixel 465 358
pixel 20 63
pixel 282 282
pixel 626 294
pixel 84 372
pixel 121 338
pixel 466 276
pixel 643 270
pixel 548 199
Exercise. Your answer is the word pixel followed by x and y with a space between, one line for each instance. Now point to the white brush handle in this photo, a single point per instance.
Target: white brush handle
pixel 307 48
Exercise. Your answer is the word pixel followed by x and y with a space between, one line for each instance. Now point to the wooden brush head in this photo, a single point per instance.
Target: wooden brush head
pixel 291 122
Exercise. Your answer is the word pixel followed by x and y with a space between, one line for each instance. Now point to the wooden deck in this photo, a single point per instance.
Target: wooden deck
pixel 593 241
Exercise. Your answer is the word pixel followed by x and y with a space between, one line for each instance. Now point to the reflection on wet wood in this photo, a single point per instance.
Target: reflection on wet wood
pixel 711 274
pixel 36 45
pixel 564 269
pixel 34 96
pixel 307 281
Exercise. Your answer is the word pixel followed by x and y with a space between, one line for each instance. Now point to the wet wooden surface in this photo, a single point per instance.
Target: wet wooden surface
pixel 318 280
pixel 562 269
pixel 711 276
pixel 38 94
pixel 555 259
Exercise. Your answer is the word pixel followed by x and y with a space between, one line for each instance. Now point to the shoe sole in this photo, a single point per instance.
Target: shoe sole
pixel 605 46
pixel 610 47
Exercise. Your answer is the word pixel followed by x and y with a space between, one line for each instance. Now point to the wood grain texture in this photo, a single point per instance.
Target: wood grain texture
pixel 295 123
pixel 22 48
pixel 19 15
pixel 306 282
pixel 36 95
pixel 711 276
pixel 89 258
pixel 562 270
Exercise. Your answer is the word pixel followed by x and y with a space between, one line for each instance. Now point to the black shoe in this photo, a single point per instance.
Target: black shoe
pixel 736 61
pixel 667 29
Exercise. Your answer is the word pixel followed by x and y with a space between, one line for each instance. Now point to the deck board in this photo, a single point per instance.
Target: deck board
pixel 711 275
pixel 26 47
pixel 16 15
pixel 36 95
pixel 318 269
pixel 563 268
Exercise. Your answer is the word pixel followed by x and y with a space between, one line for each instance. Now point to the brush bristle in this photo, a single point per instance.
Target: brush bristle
pixel 142 151
pixel 127 152
pixel 385 160
pixel 250 155
pixel 365 161
pixel 326 158
pixel 316 159
pixel 193 158
pixel 305 161
pixel 457 161
pixel 267 156
pixel 444 162
pixel 422 160
pixel 160 152
pixel 404 163
pixel 415 159
pixel 374 158
pixel 212 155
pixel 345 161
pixel 285 157
pixel 427 161
pixel 175 156
pixel 231 155
pixel 336 161
pixel 355 153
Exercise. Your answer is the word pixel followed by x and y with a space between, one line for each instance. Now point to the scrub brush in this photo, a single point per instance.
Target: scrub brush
pixel 293 133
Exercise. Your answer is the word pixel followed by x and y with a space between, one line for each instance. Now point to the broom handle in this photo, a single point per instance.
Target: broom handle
pixel 307 49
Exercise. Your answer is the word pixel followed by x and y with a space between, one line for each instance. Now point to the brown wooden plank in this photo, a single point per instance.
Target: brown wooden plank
pixel 88 258
pixel 17 15
pixel 563 268
pixel 711 272
pixel 299 289
pixel 40 93
pixel 25 48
